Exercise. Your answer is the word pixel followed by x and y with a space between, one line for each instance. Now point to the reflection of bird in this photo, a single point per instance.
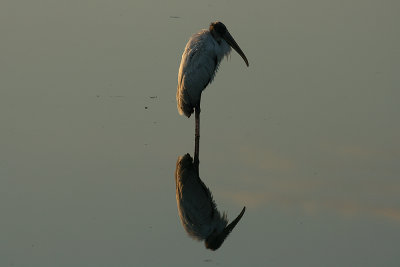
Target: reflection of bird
pixel 200 62
pixel 197 209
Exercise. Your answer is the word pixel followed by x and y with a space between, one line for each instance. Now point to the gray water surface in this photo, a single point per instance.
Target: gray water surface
pixel 307 137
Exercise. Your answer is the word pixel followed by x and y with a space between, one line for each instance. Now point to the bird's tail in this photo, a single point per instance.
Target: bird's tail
pixel 183 104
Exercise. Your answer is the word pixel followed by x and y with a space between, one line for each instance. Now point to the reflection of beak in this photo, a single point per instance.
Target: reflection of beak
pixel 229 39
pixel 216 240
pixel 232 225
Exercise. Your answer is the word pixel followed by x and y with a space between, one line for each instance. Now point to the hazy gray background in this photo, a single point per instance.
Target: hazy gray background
pixel 307 137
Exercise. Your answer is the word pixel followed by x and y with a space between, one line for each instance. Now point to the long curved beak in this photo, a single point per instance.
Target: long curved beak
pixel 229 39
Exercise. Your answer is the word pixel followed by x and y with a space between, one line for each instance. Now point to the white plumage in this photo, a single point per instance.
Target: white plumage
pixel 200 62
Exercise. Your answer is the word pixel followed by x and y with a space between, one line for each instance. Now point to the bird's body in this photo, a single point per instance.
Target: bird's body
pixel 196 207
pixel 200 60
pixel 199 64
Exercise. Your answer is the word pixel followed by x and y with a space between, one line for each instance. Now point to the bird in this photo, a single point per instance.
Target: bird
pixel 197 209
pixel 200 61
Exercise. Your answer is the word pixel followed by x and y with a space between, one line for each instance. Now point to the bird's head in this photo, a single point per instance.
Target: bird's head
pixel 215 240
pixel 219 31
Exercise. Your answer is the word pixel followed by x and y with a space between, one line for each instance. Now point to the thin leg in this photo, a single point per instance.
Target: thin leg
pixel 197 138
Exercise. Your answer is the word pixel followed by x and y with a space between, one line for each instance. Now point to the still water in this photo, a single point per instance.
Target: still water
pixel 307 137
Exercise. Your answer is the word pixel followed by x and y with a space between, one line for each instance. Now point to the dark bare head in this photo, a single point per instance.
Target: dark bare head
pixel 219 31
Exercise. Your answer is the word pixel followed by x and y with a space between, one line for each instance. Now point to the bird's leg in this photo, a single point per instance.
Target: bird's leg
pixel 197 138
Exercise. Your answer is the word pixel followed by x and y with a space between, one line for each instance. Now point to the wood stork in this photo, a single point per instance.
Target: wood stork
pixel 200 60
pixel 197 210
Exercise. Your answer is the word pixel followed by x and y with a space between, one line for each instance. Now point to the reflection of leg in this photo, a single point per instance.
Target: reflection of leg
pixel 197 138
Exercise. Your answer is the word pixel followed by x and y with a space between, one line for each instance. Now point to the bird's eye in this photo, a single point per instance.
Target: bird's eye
pixel 221 28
